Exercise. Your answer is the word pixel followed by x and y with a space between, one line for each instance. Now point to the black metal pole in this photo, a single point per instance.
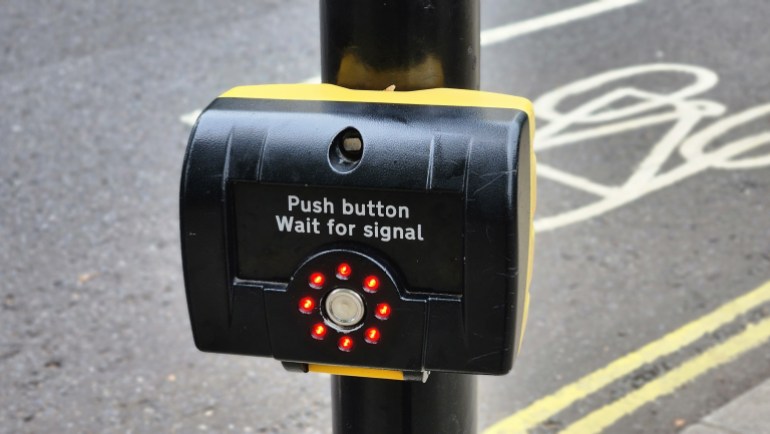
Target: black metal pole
pixel 412 44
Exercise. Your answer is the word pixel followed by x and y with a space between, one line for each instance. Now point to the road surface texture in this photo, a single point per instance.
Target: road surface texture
pixel 649 309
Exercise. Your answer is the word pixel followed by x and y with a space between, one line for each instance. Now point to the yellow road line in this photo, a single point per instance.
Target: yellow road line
pixel 540 410
pixel 595 422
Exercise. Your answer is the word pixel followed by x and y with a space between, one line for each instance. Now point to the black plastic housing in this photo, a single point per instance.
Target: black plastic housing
pixel 461 173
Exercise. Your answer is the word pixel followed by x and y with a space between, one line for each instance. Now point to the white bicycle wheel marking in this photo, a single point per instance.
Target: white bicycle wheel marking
pixel 677 112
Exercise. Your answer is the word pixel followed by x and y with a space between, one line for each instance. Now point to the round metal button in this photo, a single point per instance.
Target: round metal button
pixel 344 307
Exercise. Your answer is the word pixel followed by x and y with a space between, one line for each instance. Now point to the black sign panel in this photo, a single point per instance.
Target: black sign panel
pixel 278 226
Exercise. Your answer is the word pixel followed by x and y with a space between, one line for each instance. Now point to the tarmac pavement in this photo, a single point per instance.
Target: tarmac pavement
pixel 747 414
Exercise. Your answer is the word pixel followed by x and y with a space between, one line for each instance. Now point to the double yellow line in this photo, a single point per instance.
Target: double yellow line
pixel 752 337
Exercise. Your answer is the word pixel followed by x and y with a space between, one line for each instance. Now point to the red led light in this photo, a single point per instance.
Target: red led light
pixel 382 311
pixel 306 305
pixel 345 344
pixel 371 284
pixel 317 280
pixel 372 335
pixel 318 331
pixel 344 271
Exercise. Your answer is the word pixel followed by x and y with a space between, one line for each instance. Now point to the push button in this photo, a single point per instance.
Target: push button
pixel 344 307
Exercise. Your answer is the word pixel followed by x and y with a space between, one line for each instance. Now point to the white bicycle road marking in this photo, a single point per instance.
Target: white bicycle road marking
pixel 508 31
pixel 679 109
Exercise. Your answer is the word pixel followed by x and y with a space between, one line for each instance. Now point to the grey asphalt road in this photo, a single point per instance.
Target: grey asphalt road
pixel 94 334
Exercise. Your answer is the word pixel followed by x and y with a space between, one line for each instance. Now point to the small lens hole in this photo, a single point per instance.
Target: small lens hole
pixel 346 150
